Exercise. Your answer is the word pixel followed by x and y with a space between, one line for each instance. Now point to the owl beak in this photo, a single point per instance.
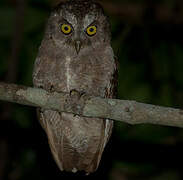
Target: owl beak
pixel 77 46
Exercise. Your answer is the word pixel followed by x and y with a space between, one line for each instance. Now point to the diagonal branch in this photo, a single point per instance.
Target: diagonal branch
pixel 127 111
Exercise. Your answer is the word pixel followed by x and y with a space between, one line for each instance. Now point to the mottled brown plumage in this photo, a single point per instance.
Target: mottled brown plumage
pixel 81 62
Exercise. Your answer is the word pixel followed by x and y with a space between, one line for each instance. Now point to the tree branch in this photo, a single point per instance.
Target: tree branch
pixel 127 111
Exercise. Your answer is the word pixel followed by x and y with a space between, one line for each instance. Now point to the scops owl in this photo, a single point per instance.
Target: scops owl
pixel 76 54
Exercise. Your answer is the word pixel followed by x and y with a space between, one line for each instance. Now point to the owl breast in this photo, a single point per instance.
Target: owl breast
pixel 88 74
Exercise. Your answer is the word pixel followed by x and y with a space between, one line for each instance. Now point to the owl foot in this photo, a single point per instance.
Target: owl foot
pixel 82 93
pixel 49 87
pixel 52 89
pixel 74 93
pixel 76 96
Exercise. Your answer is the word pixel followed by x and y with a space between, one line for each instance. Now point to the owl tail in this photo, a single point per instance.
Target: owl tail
pixel 68 159
pixel 76 159
pixel 76 143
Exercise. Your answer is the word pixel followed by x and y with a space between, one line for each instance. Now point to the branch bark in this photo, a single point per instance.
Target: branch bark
pixel 131 112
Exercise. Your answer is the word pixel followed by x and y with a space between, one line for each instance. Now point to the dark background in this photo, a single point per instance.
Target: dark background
pixel 147 39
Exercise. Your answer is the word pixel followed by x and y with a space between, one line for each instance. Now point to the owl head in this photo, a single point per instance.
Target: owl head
pixel 78 25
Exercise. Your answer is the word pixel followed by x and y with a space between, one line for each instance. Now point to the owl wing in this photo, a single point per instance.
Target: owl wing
pixel 111 92
pixel 51 119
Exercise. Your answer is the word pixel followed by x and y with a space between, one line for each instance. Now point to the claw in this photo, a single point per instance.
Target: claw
pixel 52 88
pixel 82 93
pixel 74 92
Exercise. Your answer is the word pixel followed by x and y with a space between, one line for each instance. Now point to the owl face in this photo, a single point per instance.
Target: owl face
pixel 78 25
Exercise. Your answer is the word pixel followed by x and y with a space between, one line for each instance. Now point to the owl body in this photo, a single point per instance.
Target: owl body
pixel 62 65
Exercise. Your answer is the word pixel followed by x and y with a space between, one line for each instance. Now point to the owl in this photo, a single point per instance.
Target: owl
pixel 76 54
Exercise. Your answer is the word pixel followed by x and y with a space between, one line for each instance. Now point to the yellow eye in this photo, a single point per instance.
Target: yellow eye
pixel 66 28
pixel 91 30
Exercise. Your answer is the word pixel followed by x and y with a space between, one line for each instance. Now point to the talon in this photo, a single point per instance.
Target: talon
pixel 74 92
pixel 51 88
pixel 82 93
